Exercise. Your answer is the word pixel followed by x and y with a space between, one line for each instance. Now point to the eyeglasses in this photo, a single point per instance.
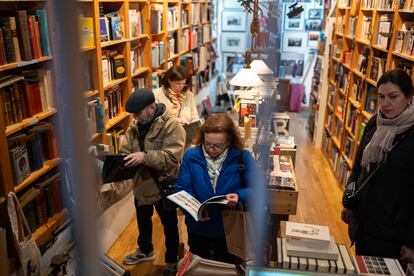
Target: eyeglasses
pixel 182 84
pixel 214 146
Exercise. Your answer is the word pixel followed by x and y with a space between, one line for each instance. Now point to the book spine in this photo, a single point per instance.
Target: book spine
pixel 15 38
pixel 49 201
pixel 44 34
pixel 32 36
pixel 8 40
pixel 3 59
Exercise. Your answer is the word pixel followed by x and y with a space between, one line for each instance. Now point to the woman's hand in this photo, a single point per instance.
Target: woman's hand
pixel 407 254
pixel 346 215
pixel 182 121
pixel 233 199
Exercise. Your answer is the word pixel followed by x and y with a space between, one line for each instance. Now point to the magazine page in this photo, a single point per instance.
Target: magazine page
pixel 187 202
pixel 220 199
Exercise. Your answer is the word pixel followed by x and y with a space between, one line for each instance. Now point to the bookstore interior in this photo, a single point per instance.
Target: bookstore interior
pixel 109 108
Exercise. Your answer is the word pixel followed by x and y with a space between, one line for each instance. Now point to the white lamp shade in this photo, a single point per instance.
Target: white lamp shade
pixel 246 77
pixel 260 67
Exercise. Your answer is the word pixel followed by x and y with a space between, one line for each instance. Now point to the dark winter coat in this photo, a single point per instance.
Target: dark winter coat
pixel 386 209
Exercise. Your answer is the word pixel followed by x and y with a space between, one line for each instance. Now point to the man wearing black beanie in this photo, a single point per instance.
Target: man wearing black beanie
pixel 155 142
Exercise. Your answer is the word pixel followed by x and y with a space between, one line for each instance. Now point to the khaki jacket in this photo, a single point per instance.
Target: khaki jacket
pixel 164 147
pixel 188 108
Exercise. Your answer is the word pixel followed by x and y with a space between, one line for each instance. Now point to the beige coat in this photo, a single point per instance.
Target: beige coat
pixel 188 109
pixel 164 148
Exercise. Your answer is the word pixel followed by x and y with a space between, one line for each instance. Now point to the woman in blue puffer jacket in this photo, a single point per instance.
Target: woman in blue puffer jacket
pixel 213 168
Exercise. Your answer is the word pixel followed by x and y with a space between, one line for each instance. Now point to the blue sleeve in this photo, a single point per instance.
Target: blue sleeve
pixel 184 181
pixel 254 183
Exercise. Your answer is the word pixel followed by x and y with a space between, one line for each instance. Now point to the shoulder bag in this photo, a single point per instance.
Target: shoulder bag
pixel 27 250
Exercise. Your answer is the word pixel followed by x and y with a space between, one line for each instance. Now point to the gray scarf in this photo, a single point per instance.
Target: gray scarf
pixel 387 129
pixel 214 166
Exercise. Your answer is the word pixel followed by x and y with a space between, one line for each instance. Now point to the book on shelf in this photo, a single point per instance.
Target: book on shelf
pixel 384 30
pixel 377 68
pixel 86 32
pixel 20 163
pixel 114 168
pixel 370 265
pixel 136 26
pixel 190 204
pixel 104 29
pixel 172 18
pixel 156 18
pixel 371 100
pixel 116 30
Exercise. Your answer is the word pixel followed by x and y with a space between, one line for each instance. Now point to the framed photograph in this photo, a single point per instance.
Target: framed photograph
pixel 233 42
pixel 234 21
pixel 313 39
pixel 295 23
pixel 231 4
pixel 295 42
pixel 315 14
pixel 232 63
pixel 293 64
pixel 313 25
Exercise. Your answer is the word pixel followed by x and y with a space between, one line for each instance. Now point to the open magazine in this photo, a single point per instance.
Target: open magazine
pixel 192 205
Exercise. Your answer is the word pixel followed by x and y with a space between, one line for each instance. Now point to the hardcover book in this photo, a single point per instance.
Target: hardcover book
pixel 368 265
pixel 298 249
pixel 114 168
pixel 193 206
pixel 20 163
pixel 311 233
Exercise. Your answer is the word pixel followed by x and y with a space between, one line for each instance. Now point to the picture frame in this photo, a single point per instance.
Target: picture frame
pixel 315 13
pixel 313 39
pixel 231 4
pixel 293 64
pixel 234 21
pixel 232 63
pixel 313 25
pixel 295 42
pixel 233 42
pixel 295 23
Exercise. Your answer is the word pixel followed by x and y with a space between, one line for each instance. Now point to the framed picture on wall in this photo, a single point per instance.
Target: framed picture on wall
pixel 293 64
pixel 233 21
pixel 315 14
pixel 313 25
pixel 313 39
pixel 295 23
pixel 233 42
pixel 231 4
pixel 295 42
pixel 232 63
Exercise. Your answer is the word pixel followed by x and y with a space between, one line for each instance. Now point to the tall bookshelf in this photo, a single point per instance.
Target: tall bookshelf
pixel 126 45
pixel 364 45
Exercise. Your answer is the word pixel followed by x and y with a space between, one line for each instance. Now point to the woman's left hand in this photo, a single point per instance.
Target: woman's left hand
pixel 233 199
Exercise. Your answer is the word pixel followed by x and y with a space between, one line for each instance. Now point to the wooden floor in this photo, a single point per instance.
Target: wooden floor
pixel 319 203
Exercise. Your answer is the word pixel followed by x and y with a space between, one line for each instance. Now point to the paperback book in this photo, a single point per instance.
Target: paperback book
pixel 315 235
pixel 193 206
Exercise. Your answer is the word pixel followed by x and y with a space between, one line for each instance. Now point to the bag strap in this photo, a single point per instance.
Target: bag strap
pixel 15 210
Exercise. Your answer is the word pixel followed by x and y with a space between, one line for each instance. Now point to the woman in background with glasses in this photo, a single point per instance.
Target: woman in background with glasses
pixel 175 95
pixel 210 169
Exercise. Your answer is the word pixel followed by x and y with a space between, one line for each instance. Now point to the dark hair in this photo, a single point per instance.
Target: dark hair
pixel 220 123
pixel 176 73
pixel 400 78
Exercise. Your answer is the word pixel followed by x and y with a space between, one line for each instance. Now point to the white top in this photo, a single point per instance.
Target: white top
pixel 188 108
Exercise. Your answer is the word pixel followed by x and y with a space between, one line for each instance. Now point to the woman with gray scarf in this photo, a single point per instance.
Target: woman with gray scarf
pixel 382 223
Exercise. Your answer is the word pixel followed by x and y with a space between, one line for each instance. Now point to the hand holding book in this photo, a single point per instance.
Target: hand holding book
pixel 134 159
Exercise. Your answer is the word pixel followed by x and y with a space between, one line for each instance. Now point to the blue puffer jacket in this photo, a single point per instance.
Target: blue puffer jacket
pixel 193 178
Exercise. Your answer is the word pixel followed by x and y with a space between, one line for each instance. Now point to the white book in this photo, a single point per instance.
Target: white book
pixel 279 252
pixel 312 234
pixel 285 257
pixel 193 206
pixel 311 264
pixel 310 251
pixel 323 265
pixel 303 263
pixel 349 267
pixel 294 262
pixel 332 266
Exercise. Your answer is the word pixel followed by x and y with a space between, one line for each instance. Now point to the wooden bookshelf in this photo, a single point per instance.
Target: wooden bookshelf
pixel 381 28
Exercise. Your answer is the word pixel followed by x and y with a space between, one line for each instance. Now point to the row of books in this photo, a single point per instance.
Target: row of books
pixel 352 121
pixel 366 28
pixel 377 67
pixel 172 47
pixel 357 89
pixel 172 18
pixel 404 42
pixel 349 145
pixel 113 66
pixel 156 18
pixel 24 36
pixel 114 138
pixel 29 150
pixel 26 95
pixel 139 82
pixel 137 57
pixel 110 25
pixel 157 54
pixel 385 30
pixel 113 102
pixel 136 26
pixel 43 200
pixel 94 116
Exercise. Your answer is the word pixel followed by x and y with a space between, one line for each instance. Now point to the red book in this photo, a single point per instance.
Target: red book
pixel 57 202
pixel 28 98
pixel 37 36
pixel 32 35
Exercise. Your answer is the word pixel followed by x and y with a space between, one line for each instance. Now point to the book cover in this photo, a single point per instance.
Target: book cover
pixel 193 206
pixel 86 32
pixel 369 265
pixel 23 35
pixel 103 29
pixel 114 168
pixel 297 249
pixel 118 63
pixel 190 130
pixel 20 163
pixel 307 232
